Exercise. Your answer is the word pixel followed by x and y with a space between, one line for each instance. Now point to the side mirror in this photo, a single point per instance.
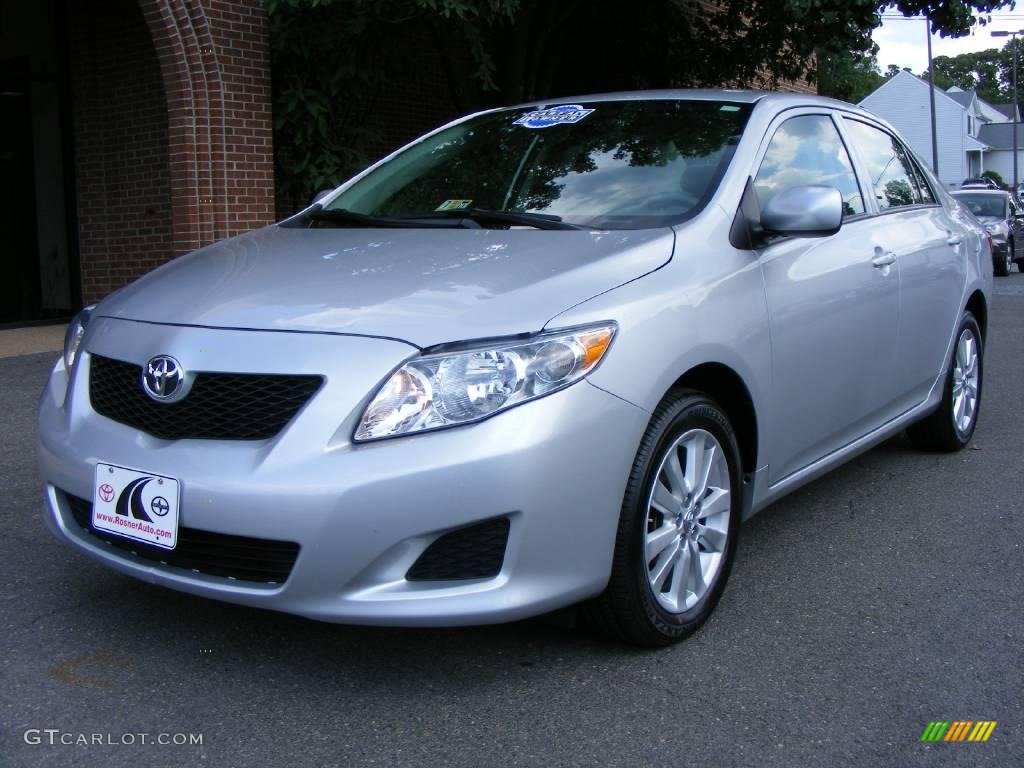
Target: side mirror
pixel 810 211
pixel 320 195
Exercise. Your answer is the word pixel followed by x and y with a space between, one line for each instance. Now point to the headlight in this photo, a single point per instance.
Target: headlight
pixel 460 387
pixel 73 337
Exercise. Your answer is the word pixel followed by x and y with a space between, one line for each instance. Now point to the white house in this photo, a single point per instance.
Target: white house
pixel 999 156
pixel 972 135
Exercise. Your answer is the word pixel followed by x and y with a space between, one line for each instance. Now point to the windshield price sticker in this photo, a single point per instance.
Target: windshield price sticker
pixel 561 115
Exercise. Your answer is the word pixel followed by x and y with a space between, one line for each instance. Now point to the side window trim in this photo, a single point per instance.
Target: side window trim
pixel 859 168
pixel 866 195
pixel 912 173
pixel 922 178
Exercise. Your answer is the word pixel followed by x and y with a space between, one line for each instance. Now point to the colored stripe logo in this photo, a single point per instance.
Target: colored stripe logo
pixel 958 730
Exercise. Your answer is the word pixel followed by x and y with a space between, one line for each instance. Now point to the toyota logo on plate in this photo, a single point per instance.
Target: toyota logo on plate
pixel 163 378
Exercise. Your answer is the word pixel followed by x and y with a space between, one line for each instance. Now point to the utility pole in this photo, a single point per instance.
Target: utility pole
pixel 1016 100
pixel 931 97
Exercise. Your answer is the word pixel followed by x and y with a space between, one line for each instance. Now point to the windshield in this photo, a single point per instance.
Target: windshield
pixel 606 165
pixel 985 205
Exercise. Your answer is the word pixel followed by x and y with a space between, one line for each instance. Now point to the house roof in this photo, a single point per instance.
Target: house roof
pixel 924 82
pixel 973 145
pixel 963 98
pixel 1006 109
pixel 1000 135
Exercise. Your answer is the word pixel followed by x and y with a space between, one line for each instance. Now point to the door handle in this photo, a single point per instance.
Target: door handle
pixel 883 259
pixel 954 240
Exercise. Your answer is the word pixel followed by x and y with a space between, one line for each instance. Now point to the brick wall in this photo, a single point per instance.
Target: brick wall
pixel 173 135
pixel 216 70
pixel 120 132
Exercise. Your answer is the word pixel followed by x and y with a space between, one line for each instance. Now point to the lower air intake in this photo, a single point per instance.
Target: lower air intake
pixel 474 552
pixel 215 554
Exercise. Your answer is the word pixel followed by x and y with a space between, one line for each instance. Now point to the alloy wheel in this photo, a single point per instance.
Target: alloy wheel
pixel 965 382
pixel 687 523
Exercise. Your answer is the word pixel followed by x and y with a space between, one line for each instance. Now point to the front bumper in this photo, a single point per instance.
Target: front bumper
pixel 361 514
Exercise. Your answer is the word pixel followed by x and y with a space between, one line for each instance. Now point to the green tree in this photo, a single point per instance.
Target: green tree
pixel 848 75
pixel 989 72
pixel 981 71
pixel 996 177
pixel 892 70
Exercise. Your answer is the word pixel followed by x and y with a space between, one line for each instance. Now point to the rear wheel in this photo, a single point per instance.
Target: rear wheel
pixel 951 427
pixel 678 526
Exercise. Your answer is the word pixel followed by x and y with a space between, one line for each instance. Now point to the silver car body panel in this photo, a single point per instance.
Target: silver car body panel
pixel 835 353
pixel 419 285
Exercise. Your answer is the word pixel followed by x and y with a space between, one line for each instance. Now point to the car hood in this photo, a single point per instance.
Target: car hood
pixel 991 220
pixel 424 286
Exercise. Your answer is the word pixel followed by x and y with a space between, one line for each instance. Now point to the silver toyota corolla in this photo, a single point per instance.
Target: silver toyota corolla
pixel 543 355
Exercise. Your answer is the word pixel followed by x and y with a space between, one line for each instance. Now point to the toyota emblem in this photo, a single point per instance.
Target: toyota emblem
pixel 163 378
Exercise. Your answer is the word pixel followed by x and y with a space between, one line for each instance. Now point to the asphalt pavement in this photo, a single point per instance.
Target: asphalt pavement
pixel 881 597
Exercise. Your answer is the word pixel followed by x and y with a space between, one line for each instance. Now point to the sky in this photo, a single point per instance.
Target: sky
pixel 902 41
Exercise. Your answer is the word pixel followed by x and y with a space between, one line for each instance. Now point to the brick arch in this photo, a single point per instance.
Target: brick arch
pixel 215 65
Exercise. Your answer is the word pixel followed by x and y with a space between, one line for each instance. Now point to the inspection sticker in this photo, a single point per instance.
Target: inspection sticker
pixel 453 205
pixel 560 115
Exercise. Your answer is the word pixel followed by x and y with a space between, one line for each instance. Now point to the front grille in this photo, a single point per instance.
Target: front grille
pixel 214 554
pixel 474 552
pixel 220 406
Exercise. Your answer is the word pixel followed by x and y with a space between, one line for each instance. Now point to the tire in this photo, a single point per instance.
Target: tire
pixel 1001 266
pixel 943 430
pixel 631 608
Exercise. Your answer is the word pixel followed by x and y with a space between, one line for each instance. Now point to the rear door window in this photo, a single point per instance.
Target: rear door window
pixel 927 195
pixel 891 172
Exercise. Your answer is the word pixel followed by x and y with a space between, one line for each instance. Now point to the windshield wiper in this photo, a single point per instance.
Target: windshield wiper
pixel 514 218
pixel 469 218
pixel 343 217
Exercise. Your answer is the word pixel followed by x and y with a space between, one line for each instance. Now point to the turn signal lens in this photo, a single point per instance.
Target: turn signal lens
pixel 73 336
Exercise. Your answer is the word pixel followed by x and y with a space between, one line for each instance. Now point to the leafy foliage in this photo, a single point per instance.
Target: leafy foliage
pixel 848 75
pixel 990 72
pixel 996 177
pixel 898 192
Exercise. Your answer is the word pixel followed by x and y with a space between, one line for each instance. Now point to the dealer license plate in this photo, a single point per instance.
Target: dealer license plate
pixel 136 505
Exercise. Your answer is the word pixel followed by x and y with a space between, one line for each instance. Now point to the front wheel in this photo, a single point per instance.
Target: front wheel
pixel 1002 264
pixel 951 427
pixel 678 526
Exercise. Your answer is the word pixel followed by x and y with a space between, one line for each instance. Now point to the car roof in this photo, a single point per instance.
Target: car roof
pixel 742 96
pixel 981 191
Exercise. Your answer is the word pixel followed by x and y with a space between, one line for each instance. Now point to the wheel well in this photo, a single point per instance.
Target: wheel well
pixel 977 307
pixel 725 386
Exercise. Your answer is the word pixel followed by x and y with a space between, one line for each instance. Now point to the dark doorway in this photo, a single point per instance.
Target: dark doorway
pixel 20 293
pixel 38 259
